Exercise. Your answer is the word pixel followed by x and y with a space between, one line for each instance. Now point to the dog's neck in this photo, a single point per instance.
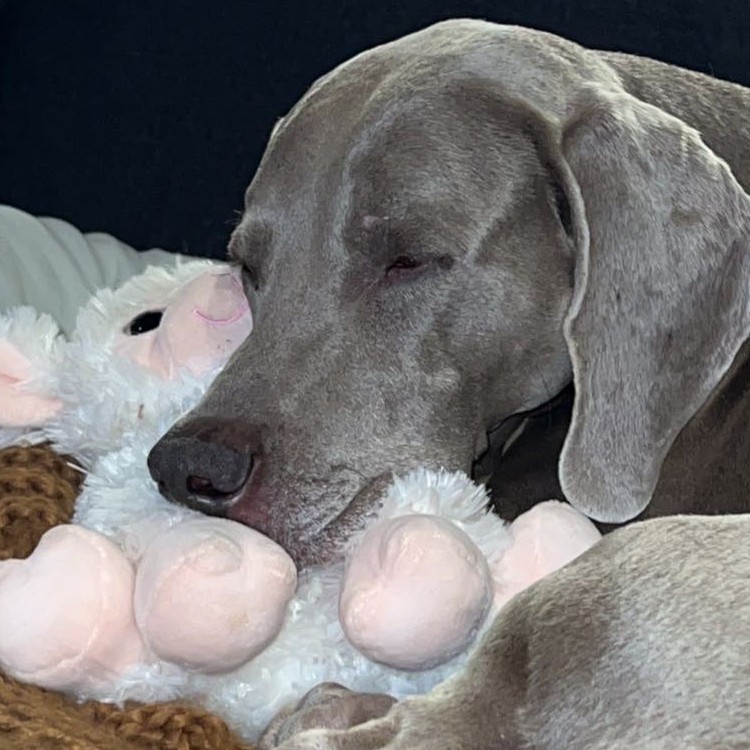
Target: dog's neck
pixel 718 439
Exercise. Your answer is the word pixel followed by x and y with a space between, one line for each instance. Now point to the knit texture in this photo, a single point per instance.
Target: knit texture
pixel 38 489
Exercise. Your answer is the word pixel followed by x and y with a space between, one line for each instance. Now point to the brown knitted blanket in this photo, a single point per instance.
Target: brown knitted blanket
pixel 38 489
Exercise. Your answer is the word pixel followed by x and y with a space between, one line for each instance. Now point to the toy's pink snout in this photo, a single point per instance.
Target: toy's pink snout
pixel 206 323
pixel 415 592
pixel 218 298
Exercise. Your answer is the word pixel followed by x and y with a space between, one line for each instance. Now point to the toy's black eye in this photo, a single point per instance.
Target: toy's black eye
pixel 404 267
pixel 144 322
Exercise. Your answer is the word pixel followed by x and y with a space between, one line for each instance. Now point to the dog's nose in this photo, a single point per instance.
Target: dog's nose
pixel 205 463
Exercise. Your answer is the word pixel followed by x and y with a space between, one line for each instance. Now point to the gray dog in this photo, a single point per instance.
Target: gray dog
pixel 449 230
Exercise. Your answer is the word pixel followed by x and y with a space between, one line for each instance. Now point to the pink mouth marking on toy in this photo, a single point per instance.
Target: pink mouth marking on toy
pixel 221 321
pixel 240 310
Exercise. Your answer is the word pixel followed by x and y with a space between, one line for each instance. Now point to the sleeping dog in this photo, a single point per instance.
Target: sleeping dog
pixel 449 231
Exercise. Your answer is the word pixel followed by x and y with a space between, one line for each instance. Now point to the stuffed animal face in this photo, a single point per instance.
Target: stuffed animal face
pixel 197 330
pixel 142 354
pixel 139 356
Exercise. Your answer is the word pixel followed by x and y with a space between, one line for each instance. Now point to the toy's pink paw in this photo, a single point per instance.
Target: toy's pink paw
pixel 545 538
pixel 211 594
pixel 415 592
pixel 66 618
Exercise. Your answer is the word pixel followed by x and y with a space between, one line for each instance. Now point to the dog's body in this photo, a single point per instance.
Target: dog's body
pixel 630 646
pixel 446 232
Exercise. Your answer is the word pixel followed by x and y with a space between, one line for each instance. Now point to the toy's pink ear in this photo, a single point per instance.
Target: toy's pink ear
pixel 20 407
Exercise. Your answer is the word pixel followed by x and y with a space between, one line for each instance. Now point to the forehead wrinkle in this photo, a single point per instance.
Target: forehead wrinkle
pixel 345 204
pixel 365 149
pixel 309 121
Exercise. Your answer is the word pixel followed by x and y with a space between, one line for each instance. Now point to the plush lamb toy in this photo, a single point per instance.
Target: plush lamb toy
pixel 145 600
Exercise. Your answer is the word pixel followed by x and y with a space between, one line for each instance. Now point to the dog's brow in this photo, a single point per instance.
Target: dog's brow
pixel 249 241
pixel 233 248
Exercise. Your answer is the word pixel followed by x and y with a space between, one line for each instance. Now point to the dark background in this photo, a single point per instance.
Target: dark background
pixel 146 118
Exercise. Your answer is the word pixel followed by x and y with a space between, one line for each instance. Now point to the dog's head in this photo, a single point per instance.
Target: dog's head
pixel 443 232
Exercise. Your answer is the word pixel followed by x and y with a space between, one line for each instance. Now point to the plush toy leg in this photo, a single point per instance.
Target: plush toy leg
pixel 414 592
pixel 210 594
pixel 545 538
pixel 66 617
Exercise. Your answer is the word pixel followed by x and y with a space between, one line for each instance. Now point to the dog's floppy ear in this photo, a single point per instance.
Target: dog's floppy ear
pixel 661 300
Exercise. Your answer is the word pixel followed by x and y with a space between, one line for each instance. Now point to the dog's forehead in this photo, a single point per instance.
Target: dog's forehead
pixel 392 143
pixel 316 133
pixel 350 104
pixel 385 137
pixel 339 107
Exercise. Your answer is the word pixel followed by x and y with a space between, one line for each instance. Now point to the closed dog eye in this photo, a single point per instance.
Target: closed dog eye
pixel 404 268
pixel 407 268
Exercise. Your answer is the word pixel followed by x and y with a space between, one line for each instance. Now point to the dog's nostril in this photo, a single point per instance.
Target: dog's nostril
pixel 226 480
pixel 203 487
pixel 207 469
